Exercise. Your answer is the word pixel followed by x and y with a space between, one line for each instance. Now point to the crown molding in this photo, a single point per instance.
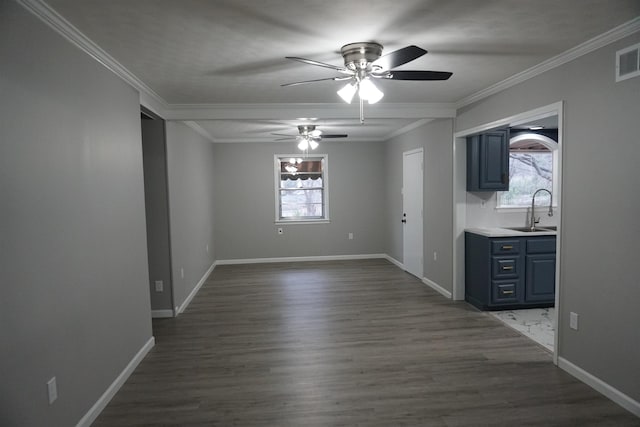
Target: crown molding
pixel 200 130
pixel 326 111
pixel 407 128
pixel 260 140
pixel 582 49
pixel 63 27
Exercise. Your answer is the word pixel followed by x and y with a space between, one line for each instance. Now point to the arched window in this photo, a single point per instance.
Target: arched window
pixel 533 164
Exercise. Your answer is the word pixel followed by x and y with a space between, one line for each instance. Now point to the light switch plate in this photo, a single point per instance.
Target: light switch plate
pixel 52 390
pixel 573 320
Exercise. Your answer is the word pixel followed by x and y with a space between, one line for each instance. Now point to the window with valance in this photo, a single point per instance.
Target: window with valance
pixel 301 188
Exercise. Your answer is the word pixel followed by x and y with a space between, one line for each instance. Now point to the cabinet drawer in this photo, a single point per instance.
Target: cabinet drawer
pixel 502 292
pixel 505 267
pixel 541 246
pixel 504 246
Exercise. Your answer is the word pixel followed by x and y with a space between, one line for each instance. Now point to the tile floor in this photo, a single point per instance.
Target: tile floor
pixel 535 323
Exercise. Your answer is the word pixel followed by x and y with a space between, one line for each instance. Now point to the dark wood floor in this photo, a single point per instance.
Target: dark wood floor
pixel 353 343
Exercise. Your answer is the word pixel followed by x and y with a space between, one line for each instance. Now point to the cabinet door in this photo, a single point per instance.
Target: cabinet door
pixel 540 282
pixel 488 161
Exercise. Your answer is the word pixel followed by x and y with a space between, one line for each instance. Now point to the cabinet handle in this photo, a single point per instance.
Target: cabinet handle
pixel 507 292
pixel 507 267
pixel 507 247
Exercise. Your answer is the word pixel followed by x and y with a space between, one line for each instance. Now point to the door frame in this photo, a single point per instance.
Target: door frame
pixel 162 182
pixel 420 151
pixel 459 200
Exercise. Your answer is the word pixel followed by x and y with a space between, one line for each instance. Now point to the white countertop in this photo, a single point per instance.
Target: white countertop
pixel 505 232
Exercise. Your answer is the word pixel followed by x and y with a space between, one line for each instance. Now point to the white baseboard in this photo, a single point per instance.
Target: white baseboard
pixel 300 259
pixel 600 386
pixel 195 290
pixel 106 397
pixel 426 281
pixel 433 285
pixel 394 261
pixel 161 314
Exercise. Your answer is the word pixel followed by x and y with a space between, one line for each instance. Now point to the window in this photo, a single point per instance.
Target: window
pixel 301 188
pixel 533 164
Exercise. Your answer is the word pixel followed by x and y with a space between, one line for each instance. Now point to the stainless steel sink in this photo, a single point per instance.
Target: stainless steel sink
pixel 528 229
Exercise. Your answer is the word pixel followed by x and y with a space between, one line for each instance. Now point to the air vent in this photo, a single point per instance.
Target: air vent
pixel 628 63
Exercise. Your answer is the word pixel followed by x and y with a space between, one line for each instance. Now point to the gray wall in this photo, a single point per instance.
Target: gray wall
pixel 600 207
pixel 245 203
pixel 435 138
pixel 75 301
pixel 156 195
pixel 190 164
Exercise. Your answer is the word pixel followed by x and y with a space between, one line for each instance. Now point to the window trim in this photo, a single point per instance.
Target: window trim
pixel 555 152
pixel 325 185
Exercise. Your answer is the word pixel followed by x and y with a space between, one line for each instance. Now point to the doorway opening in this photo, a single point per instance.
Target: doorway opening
pixel 463 208
pixel 156 201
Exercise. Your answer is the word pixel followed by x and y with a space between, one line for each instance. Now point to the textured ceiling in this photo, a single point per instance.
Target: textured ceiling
pixel 232 51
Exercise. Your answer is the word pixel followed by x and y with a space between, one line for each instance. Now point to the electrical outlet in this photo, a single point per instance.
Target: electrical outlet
pixel 182 272
pixel 159 286
pixel 435 255
pixel 280 230
pixel 52 390
pixel 350 236
pixel 573 320
pixel 207 248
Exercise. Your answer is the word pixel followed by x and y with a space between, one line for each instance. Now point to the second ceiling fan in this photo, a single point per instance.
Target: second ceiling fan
pixel 363 63
pixel 308 137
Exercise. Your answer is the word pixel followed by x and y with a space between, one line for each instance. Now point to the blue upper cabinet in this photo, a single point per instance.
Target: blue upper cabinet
pixel 488 161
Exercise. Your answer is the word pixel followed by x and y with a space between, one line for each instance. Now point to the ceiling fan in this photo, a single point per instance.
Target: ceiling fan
pixel 363 63
pixel 308 137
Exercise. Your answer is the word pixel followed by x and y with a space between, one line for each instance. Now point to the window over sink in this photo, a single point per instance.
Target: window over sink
pixel 533 164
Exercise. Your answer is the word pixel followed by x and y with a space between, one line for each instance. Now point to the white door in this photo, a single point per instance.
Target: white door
pixel 412 178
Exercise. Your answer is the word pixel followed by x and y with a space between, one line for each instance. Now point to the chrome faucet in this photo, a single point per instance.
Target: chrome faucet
pixel 532 221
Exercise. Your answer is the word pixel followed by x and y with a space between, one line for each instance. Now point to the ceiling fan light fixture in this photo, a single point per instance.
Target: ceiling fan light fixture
pixel 313 144
pixel 291 169
pixel 303 145
pixel 347 92
pixel 369 92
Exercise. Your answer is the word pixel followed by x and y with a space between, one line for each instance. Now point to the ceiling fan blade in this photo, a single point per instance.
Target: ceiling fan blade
pixel 399 57
pixel 420 75
pixel 284 134
pixel 334 136
pixel 319 64
pixel 313 81
pixel 283 139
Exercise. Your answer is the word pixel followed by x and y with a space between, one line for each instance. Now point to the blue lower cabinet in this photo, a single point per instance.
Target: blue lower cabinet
pixel 503 273
pixel 541 277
